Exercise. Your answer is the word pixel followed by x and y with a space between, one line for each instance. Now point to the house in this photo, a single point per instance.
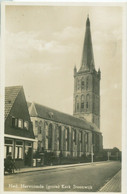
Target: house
pixel 18 134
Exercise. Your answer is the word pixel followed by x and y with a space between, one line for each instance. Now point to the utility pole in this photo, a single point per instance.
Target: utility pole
pixel 92 154
pixel 108 155
pixel 116 155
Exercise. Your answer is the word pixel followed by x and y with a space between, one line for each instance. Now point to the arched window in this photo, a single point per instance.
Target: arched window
pixel 50 136
pixel 87 83
pixel 82 102
pixel 87 102
pixel 67 138
pixel 46 129
pixel 77 104
pixel 60 133
pixel 82 84
pixel 74 135
pixel 40 127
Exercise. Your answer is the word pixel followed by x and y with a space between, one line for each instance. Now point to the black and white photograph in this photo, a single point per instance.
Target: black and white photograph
pixel 63 97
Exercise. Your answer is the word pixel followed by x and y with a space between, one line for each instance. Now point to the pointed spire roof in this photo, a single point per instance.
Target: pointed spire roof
pixel 87 62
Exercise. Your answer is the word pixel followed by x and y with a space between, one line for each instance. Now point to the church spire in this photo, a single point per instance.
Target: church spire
pixel 87 63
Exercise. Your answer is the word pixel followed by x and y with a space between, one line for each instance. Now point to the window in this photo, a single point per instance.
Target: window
pixel 20 123
pixel 36 123
pixel 19 150
pixel 67 139
pixel 87 83
pixel 86 138
pixel 77 106
pixel 46 129
pixel 87 102
pixel 78 84
pixel 14 122
pixel 28 144
pixel 60 133
pixel 66 134
pixel 26 125
pixel 82 103
pixel 57 132
pixel 8 147
pixel 50 136
pixel 93 139
pixel 80 136
pixel 51 115
pixel 74 135
pixel 82 84
pixel 39 129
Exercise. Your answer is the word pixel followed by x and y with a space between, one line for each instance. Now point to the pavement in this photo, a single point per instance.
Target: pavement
pixel 114 185
pixel 43 168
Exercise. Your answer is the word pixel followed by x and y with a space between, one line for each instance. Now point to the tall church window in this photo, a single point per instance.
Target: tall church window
pixel 60 132
pixel 87 83
pixel 80 136
pixel 87 102
pixel 67 138
pixel 50 136
pixel 86 138
pixel 82 102
pixel 77 106
pixel 74 135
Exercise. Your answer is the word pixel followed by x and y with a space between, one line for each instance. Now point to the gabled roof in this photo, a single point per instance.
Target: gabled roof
pixel 16 106
pixel 11 93
pixel 37 110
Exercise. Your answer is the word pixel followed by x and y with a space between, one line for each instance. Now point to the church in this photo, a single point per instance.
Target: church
pixel 78 134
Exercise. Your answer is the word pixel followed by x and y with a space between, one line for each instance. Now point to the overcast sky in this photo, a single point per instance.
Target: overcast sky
pixel 43 43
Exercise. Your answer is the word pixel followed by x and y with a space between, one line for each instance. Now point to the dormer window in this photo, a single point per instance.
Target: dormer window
pixel 51 114
pixel 14 122
pixel 20 123
pixel 26 125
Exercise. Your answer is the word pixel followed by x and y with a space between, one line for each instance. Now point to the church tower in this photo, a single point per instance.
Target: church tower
pixel 87 84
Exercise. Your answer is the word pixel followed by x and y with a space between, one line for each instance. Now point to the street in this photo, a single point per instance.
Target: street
pixel 86 178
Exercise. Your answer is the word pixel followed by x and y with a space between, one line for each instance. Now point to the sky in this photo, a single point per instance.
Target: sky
pixel 44 43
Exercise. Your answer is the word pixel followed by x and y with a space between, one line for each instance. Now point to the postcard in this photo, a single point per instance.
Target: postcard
pixel 63 87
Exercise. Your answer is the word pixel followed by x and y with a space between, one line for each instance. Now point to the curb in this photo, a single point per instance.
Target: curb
pixel 58 167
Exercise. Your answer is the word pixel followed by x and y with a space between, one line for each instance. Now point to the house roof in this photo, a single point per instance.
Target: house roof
pixel 37 110
pixel 11 93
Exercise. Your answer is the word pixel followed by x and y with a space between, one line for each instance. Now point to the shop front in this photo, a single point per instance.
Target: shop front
pixel 21 151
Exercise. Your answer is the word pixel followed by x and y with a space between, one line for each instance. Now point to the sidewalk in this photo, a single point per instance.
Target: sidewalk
pixel 114 185
pixel 43 168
